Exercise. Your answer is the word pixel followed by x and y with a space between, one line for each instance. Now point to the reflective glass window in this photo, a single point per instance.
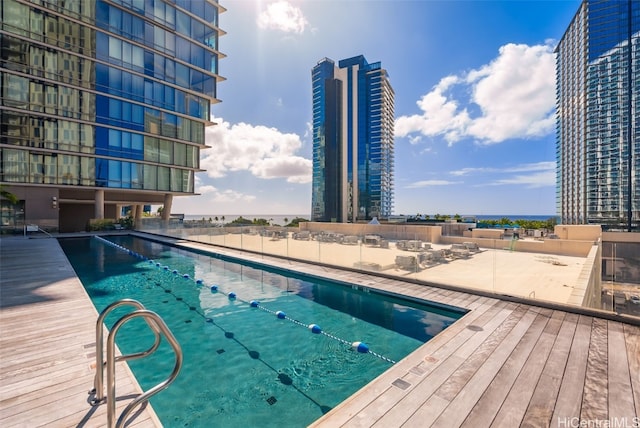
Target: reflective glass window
pixel 15 167
pixel 192 156
pixel 137 174
pixel 68 169
pixel 183 128
pixel 102 172
pixel 115 174
pixel 150 177
pixel 137 28
pixel 15 91
pixel 182 75
pixel 126 175
pixel 176 180
pixel 183 23
pixel 180 154
pixel 183 49
pixel 16 17
pixel 164 178
pixel 137 145
pixel 137 115
pixel 151 149
pixel 87 171
pixel 166 151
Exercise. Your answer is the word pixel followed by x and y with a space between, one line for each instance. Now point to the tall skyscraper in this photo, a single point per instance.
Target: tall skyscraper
pixel 353 120
pixel 103 105
pixel 598 115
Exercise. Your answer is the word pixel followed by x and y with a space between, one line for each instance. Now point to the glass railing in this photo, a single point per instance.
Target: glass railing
pixel 544 268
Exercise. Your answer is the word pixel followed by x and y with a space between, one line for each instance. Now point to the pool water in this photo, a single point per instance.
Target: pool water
pixel 244 366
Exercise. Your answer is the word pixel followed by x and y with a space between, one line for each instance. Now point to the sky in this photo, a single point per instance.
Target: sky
pixel 474 85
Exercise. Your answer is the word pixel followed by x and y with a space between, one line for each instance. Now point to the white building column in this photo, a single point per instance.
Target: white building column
pixel 137 214
pixel 166 210
pixel 99 204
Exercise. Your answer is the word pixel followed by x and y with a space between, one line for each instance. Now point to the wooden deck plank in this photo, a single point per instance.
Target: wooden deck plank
pixel 425 373
pixel 430 384
pixel 595 396
pixel 632 341
pixel 47 342
pixel 619 379
pixel 544 397
pixel 532 324
pixel 515 404
pixel 569 400
pixel 484 412
pixel 450 389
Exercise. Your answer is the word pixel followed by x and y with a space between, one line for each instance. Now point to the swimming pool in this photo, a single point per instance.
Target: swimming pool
pixel 244 365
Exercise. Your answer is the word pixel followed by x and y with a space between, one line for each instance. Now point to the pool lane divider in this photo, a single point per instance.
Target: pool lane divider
pixel 360 347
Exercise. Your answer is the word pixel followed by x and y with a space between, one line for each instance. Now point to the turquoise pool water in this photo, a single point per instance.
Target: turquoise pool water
pixel 243 366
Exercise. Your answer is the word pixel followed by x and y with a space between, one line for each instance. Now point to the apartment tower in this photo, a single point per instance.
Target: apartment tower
pixel 103 105
pixel 598 113
pixel 353 146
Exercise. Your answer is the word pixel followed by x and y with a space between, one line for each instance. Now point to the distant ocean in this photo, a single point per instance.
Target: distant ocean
pixel 274 219
pixel 279 219
pixel 517 217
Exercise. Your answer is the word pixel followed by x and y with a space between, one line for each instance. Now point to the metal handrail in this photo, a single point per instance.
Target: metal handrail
pixel 29 228
pixel 151 318
pixel 98 381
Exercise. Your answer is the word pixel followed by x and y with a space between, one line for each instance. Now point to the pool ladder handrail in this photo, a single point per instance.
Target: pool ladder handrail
pixel 158 326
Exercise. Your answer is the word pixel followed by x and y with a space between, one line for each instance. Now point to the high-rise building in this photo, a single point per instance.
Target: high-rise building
pixel 598 115
pixel 353 120
pixel 103 105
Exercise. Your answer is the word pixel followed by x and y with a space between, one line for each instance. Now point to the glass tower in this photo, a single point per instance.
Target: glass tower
pixel 598 113
pixel 103 104
pixel 353 124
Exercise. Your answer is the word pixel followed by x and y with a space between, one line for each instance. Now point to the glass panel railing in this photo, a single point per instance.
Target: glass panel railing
pixel 570 270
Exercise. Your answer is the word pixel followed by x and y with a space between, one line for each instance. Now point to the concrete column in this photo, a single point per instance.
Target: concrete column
pixel 99 204
pixel 137 214
pixel 166 210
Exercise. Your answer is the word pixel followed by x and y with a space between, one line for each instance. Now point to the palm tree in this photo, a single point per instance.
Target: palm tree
pixel 5 194
pixel 505 220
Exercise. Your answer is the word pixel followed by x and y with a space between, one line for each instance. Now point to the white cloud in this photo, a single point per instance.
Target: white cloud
pixel 430 183
pixel 265 152
pixel 531 181
pixel 527 167
pixel 541 174
pixel 282 16
pixel 515 94
pixel 214 195
pixel 439 116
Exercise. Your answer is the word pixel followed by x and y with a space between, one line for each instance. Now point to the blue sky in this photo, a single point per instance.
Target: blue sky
pixel 474 86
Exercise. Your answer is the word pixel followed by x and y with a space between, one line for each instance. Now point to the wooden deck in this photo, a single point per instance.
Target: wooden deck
pixel 504 364
pixel 47 343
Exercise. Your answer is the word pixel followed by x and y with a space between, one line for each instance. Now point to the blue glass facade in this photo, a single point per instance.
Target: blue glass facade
pixel 107 94
pixel 598 85
pixel 353 119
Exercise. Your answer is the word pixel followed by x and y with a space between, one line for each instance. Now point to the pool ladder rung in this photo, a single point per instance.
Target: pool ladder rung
pixel 159 329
